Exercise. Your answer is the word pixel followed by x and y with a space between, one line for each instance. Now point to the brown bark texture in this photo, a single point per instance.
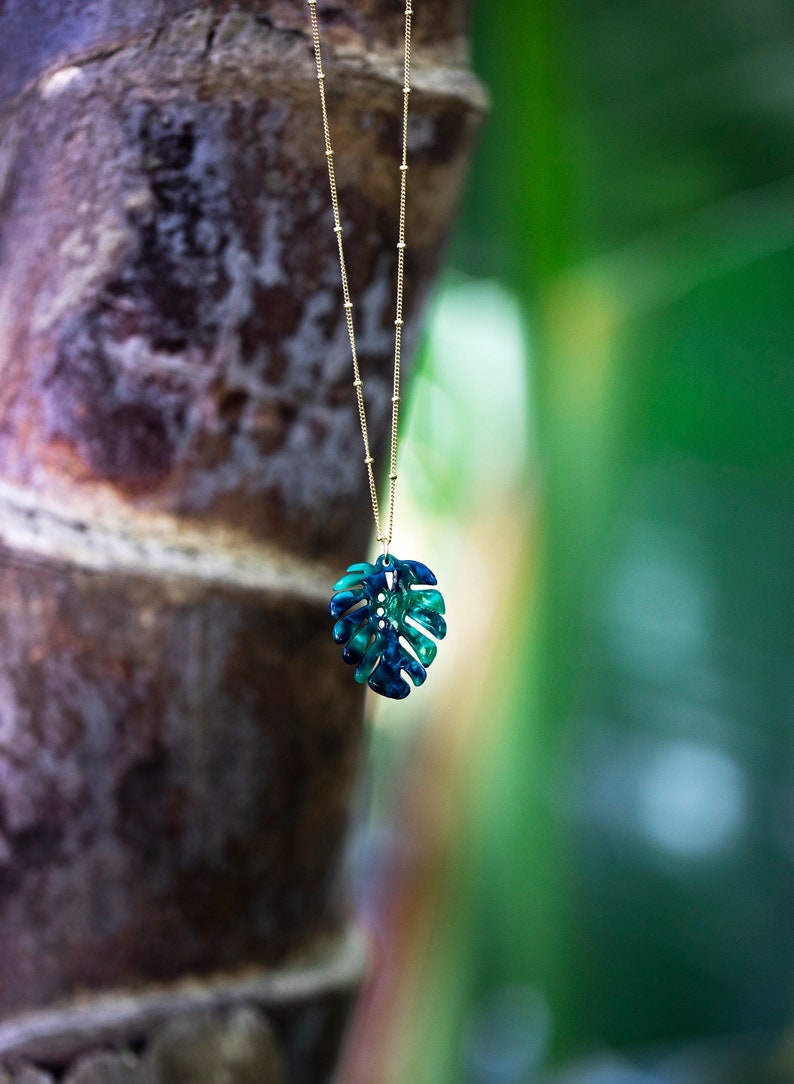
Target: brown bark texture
pixel 180 479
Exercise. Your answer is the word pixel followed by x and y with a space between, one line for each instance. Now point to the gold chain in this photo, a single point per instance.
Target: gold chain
pixel 382 536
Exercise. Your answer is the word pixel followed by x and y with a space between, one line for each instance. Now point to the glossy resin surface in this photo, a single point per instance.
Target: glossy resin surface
pixel 386 614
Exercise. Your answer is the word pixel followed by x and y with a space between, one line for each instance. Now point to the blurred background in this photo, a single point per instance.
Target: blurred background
pixel 576 850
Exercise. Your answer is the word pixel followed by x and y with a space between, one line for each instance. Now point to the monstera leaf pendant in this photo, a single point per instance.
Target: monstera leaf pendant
pixel 384 612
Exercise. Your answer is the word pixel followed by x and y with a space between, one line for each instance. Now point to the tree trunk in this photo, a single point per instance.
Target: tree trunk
pixel 180 481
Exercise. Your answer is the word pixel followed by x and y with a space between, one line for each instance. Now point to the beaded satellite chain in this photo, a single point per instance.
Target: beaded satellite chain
pixel 383 612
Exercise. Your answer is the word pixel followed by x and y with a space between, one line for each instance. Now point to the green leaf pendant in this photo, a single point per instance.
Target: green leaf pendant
pixel 384 612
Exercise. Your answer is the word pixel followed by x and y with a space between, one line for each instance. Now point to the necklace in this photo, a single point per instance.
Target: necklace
pixel 382 611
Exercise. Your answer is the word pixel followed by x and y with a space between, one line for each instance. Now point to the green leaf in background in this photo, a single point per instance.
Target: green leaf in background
pixel 623 871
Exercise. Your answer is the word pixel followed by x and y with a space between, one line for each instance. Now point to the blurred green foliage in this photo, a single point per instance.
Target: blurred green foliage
pixel 627 861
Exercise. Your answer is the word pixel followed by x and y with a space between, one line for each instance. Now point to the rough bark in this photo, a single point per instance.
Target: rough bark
pixel 180 477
